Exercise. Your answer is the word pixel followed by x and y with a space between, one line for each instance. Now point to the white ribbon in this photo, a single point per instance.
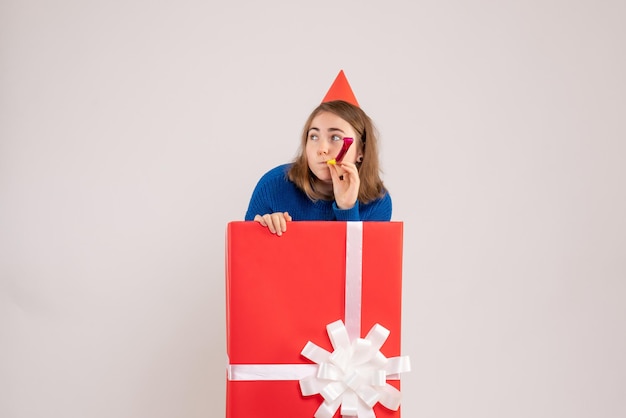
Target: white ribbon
pixel 270 371
pixel 354 258
pixel 353 377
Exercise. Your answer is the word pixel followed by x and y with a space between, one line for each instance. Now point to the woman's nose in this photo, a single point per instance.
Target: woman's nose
pixel 322 148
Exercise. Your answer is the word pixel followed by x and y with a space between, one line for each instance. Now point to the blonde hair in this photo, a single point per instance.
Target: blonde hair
pixel 371 187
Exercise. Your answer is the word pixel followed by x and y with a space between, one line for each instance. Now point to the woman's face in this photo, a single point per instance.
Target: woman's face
pixel 324 141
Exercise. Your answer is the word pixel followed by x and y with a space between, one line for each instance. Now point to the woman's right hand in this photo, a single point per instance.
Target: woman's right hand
pixel 276 222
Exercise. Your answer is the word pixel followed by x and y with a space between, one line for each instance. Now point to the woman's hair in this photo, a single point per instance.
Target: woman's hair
pixel 371 187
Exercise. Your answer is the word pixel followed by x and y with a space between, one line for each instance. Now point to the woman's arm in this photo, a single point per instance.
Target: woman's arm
pixel 379 210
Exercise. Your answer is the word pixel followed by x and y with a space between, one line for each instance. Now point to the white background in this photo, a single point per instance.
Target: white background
pixel 132 132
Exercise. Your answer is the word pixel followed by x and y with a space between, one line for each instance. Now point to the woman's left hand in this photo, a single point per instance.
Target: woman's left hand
pixel 346 182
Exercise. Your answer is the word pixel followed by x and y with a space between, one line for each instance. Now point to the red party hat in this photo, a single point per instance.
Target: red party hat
pixel 340 90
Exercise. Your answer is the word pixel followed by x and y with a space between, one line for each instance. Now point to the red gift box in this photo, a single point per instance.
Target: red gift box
pixel 282 292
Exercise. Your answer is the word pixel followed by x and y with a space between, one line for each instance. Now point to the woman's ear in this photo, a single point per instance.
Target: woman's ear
pixel 359 159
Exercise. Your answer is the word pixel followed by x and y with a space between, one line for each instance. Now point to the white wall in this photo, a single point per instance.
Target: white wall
pixel 132 131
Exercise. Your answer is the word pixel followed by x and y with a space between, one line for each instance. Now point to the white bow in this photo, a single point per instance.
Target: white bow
pixel 354 376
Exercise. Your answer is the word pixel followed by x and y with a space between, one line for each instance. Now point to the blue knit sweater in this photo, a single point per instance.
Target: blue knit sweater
pixel 275 193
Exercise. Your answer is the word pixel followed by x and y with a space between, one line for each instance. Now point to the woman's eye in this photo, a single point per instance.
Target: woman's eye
pixel 336 138
pixel 313 137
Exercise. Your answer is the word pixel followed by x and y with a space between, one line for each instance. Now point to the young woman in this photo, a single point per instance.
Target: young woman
pixel 311 188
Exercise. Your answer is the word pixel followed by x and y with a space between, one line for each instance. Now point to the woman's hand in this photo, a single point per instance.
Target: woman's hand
pixel 346 184
pixel 276 222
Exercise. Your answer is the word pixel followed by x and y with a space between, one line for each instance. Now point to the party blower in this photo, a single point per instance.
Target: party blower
pixel 346 144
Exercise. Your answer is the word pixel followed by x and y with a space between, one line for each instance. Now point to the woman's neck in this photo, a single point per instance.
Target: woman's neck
pixel 325 189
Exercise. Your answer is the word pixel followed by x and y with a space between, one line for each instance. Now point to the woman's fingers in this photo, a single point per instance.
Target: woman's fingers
pixel 271 224
pixel 276 222
pixel 280 224
pixel 351 170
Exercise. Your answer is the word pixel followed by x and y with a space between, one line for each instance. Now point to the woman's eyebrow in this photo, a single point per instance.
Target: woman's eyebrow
pixel 313 128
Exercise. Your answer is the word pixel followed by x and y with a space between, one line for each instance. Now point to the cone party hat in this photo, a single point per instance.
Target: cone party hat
pixel 341 90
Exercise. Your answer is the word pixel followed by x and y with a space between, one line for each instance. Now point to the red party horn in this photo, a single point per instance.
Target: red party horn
pixel 346 144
